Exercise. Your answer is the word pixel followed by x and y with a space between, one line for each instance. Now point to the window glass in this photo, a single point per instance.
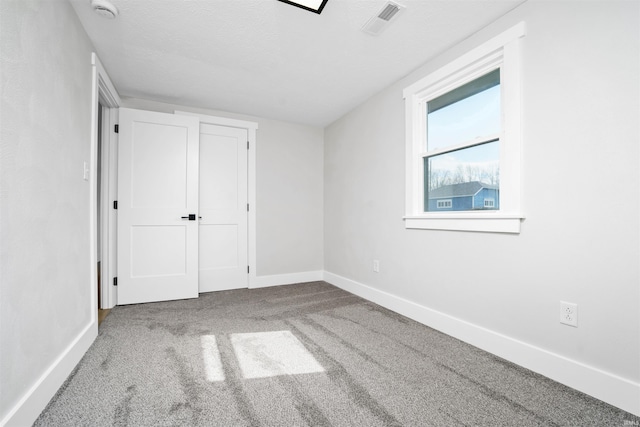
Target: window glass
pixel 443 204
pixel 468 112
pixel 477 166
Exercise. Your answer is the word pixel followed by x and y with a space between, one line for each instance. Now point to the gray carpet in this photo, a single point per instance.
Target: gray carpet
pixel 308 354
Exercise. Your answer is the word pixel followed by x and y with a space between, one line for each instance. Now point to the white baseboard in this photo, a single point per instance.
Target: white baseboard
pixel 285 279
pixel 27 410
pixel 609 388
pixel 605 386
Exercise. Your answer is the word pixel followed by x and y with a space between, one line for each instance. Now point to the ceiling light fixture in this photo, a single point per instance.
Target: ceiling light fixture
pixel 104 8
pixel 315 6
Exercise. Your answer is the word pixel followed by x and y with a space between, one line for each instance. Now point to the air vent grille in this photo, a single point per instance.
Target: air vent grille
pixel 388 12
pixel 380 21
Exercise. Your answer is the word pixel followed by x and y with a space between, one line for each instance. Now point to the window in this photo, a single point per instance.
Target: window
pixel 463 141
pixel 444 204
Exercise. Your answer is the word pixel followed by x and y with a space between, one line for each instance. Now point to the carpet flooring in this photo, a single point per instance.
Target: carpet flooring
pixel 307 354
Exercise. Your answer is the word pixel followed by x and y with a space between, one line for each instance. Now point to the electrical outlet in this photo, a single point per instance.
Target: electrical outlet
pixel 376 266
pixel 569 313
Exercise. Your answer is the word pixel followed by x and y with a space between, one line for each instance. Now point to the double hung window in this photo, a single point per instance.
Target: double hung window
pixel 463 141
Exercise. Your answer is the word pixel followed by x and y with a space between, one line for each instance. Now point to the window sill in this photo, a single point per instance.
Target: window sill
pixel 479 222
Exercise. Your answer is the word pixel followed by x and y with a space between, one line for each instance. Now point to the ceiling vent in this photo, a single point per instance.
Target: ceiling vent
pixel 381 20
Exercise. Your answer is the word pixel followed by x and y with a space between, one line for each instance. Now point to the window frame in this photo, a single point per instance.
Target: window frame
pixel 503 52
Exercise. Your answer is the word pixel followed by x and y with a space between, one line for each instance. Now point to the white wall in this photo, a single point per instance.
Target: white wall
pixel 46 300
pixel 289 195
pixel 580 241
pixel 581 145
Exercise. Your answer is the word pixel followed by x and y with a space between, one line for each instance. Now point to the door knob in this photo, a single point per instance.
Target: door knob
pixel 191 217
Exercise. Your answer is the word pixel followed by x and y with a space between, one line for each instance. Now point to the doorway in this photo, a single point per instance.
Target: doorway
pixel 101 171
pixel 99 236
pixel 103 238
pixel 183 213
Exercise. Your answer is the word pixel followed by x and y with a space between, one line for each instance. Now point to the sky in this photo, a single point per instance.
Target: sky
pixel 474 117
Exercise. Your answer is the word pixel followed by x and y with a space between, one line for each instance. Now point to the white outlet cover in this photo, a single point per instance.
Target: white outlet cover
pixel 569 313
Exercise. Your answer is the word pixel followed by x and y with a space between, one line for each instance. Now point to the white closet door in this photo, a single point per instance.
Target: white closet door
pixel 223 208
pixel 157 191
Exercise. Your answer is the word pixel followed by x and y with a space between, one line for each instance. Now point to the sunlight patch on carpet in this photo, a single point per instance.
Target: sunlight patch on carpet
pixel 269 354
pixel 211 358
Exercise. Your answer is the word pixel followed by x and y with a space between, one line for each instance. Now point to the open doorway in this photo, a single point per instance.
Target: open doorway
pixel 103 192
pixel 99 211
pixel 102 313
pixel 105 219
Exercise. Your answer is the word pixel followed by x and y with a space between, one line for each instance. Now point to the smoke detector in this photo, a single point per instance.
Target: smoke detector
pixel 381 20
pixel 104 8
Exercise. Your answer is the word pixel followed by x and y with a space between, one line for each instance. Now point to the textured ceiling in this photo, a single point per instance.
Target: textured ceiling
pixel 269 59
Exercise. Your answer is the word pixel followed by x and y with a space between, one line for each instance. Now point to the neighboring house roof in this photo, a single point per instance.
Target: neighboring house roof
pixel 460 190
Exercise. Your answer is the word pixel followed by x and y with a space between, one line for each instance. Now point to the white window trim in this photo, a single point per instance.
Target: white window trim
pixel 501 51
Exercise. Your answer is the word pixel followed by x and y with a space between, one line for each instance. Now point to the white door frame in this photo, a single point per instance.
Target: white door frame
pixel 251 128
pixel 106 94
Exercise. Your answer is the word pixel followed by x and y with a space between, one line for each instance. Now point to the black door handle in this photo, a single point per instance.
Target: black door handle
pixel 191 217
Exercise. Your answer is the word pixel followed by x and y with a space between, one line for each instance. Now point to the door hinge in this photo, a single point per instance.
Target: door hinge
pixel 116 128
pixel 247 207
pixel 247 269
pixel 115 204
pixel 247 145
pixel 115 281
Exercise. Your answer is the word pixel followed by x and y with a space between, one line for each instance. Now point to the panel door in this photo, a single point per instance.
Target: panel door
pixel 223 208
pixel 157 190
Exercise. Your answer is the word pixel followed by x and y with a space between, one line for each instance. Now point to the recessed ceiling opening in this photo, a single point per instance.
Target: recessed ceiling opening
pixel 315 6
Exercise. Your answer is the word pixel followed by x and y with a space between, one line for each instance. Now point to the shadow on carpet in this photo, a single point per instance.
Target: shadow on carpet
pixel 309 354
